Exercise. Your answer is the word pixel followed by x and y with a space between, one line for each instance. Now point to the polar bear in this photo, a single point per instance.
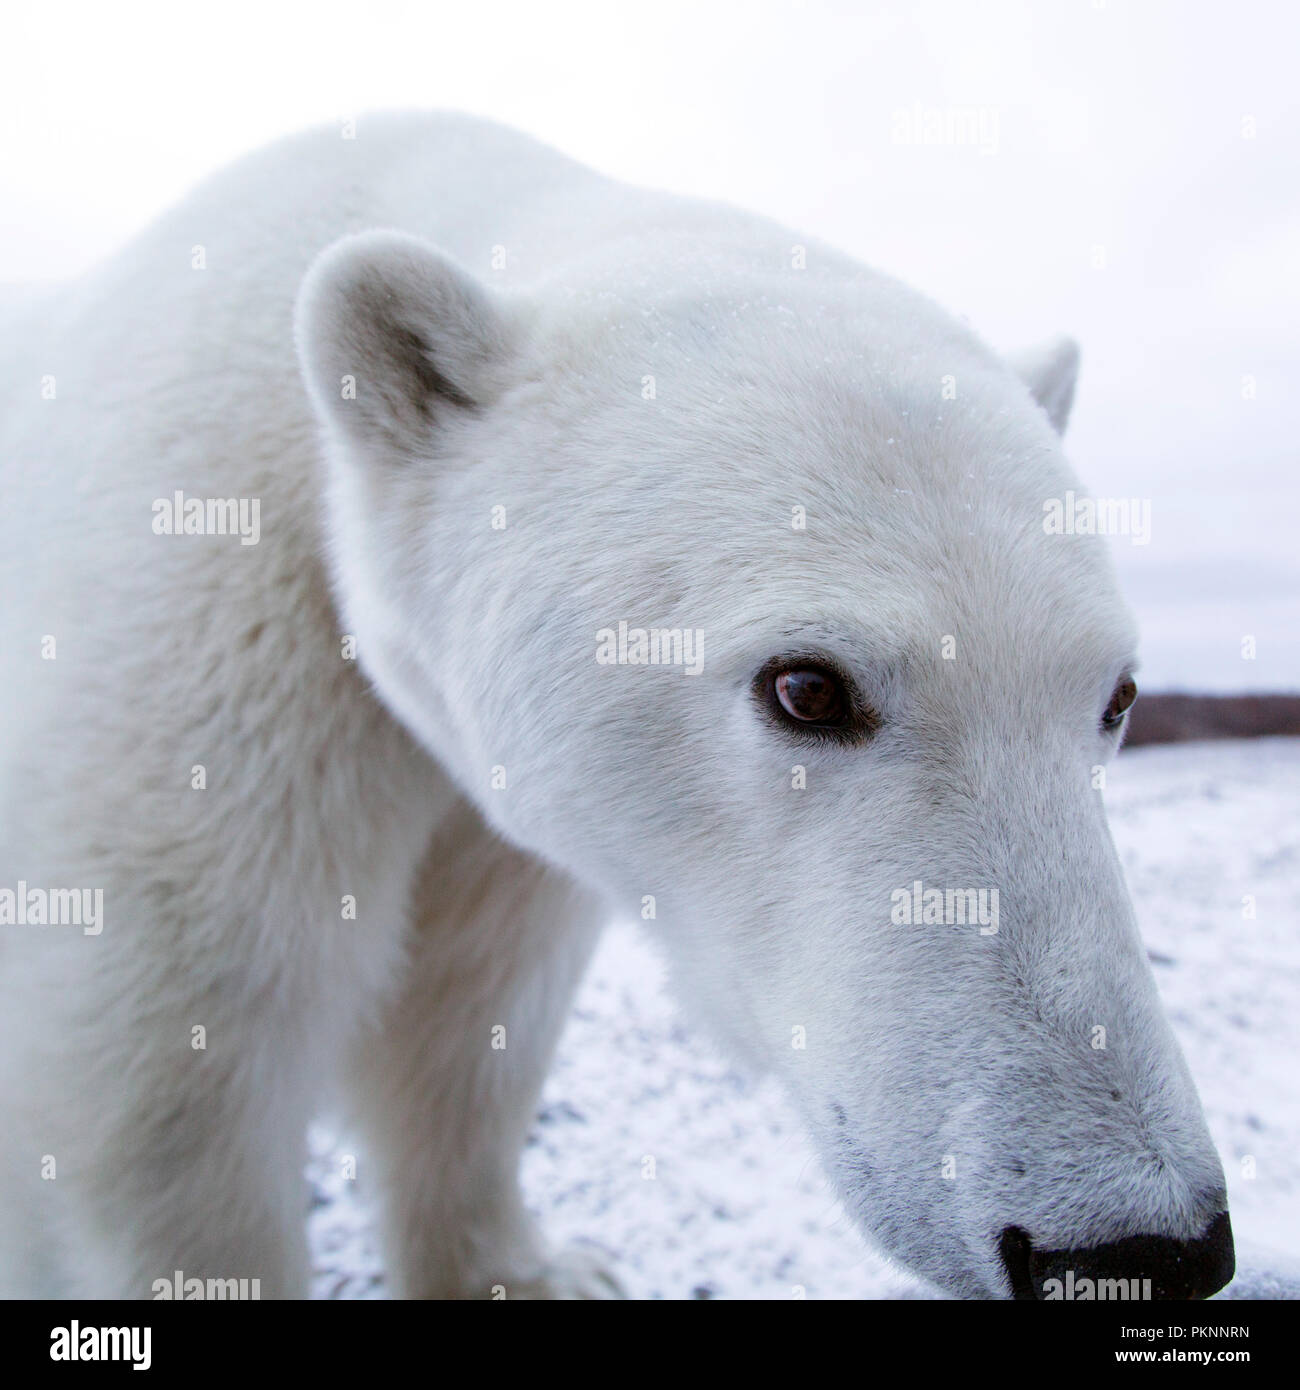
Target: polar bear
pixel 418 547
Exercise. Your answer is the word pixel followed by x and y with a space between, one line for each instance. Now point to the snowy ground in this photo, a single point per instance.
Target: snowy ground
pixel 738 1207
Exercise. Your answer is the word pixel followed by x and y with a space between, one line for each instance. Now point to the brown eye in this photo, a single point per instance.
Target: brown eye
pixel 1120 701
pixel 812 695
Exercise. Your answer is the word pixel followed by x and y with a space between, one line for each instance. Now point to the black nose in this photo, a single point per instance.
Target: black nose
pixel 1139 1267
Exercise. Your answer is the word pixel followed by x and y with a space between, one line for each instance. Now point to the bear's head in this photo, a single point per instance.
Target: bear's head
pixel 734 593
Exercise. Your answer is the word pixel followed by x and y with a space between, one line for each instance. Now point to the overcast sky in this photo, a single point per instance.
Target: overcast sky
pixel 1132 180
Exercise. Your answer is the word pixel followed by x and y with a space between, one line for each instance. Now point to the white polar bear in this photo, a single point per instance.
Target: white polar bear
pixel 689 568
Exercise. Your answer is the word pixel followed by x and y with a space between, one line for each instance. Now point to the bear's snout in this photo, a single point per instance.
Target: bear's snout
pixel 1138 1267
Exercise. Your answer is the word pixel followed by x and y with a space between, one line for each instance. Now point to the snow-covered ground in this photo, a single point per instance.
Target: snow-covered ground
pixel 738 1207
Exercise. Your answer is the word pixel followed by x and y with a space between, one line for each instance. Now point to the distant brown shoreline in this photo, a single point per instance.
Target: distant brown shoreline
pixel 1178 718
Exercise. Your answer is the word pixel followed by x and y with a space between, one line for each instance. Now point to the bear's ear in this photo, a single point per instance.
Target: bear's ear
pixel 394 337
pixel 1050 372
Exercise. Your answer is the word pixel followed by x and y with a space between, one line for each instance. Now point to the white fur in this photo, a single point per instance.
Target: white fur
pixel 774 387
